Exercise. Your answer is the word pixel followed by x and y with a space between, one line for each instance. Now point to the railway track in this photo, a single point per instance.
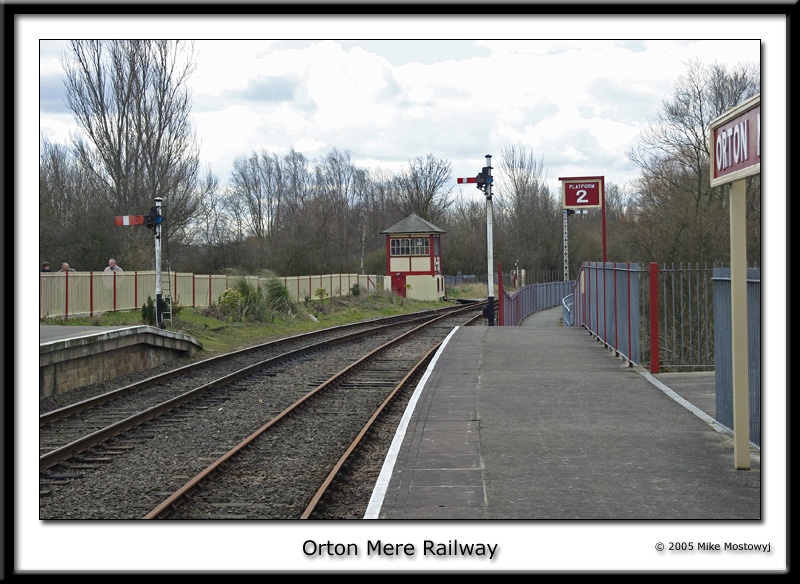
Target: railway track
pixel 127 455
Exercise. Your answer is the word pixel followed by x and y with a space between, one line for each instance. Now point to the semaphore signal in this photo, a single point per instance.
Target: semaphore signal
pixel 154 221
pixel 484 178
pixel 129 220
pixel 484 182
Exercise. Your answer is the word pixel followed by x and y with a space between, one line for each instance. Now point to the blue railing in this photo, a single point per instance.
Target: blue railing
pixel 530 299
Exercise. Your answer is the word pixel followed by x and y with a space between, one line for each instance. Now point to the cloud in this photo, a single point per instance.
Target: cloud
pixel 573 102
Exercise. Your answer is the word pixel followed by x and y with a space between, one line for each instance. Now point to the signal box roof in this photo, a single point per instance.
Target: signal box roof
pixel 413 224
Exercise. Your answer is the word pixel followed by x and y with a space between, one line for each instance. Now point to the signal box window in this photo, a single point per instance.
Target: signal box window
pixel 410 246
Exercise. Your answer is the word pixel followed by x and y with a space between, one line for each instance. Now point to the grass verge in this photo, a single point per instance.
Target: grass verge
pixel 221 336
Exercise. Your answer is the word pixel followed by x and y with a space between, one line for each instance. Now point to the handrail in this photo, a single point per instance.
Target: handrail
pixel 566 311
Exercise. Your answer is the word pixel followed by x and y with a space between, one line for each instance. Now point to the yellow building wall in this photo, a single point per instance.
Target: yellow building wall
pixel 399 264
pixel 424 288
pixel 421 264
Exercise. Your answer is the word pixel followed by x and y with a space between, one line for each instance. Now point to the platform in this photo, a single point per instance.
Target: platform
pixel 76 356
pixel 544 422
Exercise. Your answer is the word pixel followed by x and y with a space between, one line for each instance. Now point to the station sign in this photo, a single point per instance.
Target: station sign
pixel 582 192
pixel 735 143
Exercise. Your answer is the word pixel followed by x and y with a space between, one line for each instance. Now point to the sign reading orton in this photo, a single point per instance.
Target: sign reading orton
pixel 736 143
pixel 582 192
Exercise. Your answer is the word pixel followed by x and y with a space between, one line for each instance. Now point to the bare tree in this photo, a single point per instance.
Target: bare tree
pixel 680 132
pixel 464 246
pixel 528 217
pixel 522 173
pixel 256 181
pixel 210 225
pixel 424 187
pixel 379 210
pixel 66 210
pixel 677 215
pixel 130 101
pixel 236 213
pixel 337 180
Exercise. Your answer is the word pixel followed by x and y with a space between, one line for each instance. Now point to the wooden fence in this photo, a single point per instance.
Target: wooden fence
pixel 66 294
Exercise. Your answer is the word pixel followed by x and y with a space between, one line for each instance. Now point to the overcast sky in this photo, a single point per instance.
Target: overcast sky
pixel 577 104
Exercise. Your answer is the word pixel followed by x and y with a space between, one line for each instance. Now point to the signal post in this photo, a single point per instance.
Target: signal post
pixel 153 220
pixel 484 183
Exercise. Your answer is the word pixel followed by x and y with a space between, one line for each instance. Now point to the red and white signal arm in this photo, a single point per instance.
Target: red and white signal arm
pixel 129 220
pixel 582 192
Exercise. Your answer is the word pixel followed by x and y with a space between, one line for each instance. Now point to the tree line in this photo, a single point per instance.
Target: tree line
pixel 291 215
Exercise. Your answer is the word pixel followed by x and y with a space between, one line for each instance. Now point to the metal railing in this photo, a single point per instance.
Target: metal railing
pixel 672 318
pixel 606 302
pixel 723 349
pixel 660 317
pixel 566 310
pixel 529 299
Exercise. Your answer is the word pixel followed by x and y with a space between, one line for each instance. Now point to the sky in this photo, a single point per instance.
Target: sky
pixel 578 101
pixel 576 105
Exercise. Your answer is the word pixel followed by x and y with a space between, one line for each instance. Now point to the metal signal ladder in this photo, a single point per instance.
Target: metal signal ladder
pixel 166 296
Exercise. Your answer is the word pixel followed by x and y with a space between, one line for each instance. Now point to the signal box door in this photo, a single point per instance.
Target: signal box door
pixel 399 285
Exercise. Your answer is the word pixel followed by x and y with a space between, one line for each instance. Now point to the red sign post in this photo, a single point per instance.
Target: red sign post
pixel 582 192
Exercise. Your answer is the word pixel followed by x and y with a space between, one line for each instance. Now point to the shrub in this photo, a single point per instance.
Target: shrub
pixel 355 290
pixel 254 306
pixel 231 303
pixel 278 298
pixel 149 312
pixel 175 307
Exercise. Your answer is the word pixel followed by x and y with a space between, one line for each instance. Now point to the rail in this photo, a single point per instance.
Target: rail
pixel 566 310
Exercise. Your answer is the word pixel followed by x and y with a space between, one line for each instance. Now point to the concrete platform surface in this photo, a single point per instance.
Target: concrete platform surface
pixel 543 422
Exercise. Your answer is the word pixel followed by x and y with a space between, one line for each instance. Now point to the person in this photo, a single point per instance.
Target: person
pixel 45 267
pixel 65 268
pixel 112 266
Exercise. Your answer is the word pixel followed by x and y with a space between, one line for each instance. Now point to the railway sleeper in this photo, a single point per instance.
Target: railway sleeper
pixel 91 459
pixel 62 476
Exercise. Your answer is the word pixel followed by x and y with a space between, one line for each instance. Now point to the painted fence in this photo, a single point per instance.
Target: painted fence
pixel 66 294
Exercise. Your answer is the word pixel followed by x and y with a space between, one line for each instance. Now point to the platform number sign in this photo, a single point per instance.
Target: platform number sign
pixel 582 192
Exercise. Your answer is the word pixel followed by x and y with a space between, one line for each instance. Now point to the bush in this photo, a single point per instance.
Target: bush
pixel 149 312
pixel 176 308
pixel 254 307
pixel 231 303
pixel 355 290
pixel 278 299
pixel 244 301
